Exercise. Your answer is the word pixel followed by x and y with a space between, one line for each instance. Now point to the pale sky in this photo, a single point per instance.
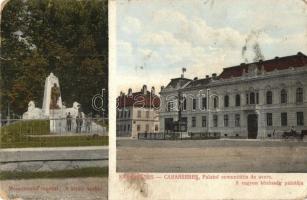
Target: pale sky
pixel 157 38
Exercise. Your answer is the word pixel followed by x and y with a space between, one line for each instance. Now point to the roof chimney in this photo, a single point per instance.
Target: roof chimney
pixel 144 89
pixel 129 92
pixel 207 76
pixel 153 91
pixel 214 75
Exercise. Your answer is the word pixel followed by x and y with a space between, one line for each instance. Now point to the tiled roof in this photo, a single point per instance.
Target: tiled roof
pixel 199 82
pixel 138 99
pixel 277 63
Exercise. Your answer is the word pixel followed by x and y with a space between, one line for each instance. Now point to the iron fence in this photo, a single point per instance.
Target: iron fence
pixel 178 136
pixel 53 132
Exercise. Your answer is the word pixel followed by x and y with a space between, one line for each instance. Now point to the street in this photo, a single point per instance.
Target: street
pixel 224 155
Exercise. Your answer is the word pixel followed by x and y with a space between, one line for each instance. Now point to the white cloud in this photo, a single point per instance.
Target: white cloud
pixel 131 25
pixel 164 39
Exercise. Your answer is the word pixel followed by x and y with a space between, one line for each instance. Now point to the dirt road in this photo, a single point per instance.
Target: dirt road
pixel 211 156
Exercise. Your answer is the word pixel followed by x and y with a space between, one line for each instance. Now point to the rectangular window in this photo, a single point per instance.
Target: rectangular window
pixel 269 119
pixel 147 127
pixel 204 121
pixel 204 103
pixel 215 120
pixel 170 106
pixel 252 98
pixel 237 120
pixel 300 118
pixel 257 97
pixel 139 114
pixel 156 127
pixel 299 95
pixel 138 127
pixel 226 120
pixel 284 119
pixel 184 104
pixel 247 98
pixel 194 104
pixel 128 129
pixel 125 113
pixel 269 97
pixel 238 100
pixel 193 121
pixel 128 113
pixel 147 114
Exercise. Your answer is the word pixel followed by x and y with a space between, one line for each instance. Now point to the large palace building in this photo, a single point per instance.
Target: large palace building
pixel 252 100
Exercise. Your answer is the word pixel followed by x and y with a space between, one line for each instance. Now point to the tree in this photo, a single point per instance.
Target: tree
pixel 68 38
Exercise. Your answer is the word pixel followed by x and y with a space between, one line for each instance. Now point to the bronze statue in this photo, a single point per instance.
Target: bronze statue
pixel 55 94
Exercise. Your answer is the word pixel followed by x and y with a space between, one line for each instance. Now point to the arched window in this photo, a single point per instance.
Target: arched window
pixel 238 100
pixel 215 102
pixel 269 97
pixel 252 98
pixel 283 96
pixel 226 101
pixel 299 95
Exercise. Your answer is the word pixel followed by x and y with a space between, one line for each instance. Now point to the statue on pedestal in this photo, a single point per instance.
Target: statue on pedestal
pixel 55 94
pixel 33 112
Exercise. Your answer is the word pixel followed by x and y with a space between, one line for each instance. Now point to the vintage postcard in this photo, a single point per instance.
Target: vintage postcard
pixel 211 99
pixel 54 99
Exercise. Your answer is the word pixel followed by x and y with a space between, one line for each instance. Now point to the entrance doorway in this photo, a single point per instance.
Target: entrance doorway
pixel 252 126
pixel 168 124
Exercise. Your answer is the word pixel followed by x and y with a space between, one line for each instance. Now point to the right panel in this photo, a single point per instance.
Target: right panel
pixel 212 97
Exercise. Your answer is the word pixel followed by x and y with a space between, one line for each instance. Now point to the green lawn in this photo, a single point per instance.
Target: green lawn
pixel 17 135
pixel 73 173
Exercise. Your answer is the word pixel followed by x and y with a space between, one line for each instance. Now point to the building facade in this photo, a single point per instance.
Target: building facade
pixel 255 100
pixel 137 112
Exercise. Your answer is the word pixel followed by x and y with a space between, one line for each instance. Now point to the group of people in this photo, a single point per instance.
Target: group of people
pixel 79 123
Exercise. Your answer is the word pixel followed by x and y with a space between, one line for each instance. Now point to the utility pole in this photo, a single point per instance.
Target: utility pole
pixel 208 108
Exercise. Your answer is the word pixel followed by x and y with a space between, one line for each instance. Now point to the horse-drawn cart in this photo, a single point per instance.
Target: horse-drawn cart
pixel 294 134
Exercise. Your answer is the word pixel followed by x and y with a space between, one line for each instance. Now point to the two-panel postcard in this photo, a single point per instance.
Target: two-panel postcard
pixel 153 99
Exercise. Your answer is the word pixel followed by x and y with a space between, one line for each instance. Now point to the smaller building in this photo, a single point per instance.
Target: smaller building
pixel 137 112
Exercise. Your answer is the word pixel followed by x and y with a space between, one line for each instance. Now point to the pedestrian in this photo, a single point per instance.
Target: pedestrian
pixel 88 123
pixel 80 123
pixel 68 122
pixel 77 124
